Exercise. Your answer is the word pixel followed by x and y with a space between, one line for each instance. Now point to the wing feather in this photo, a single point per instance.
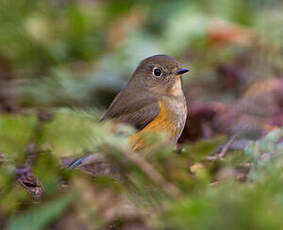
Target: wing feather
pixel 137 110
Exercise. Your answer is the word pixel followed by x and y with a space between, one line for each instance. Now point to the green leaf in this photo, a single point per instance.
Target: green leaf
pixel 39 217
pixel 16 132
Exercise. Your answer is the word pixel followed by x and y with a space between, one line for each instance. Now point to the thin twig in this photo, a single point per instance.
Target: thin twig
pixel 227 146
pixel 224 149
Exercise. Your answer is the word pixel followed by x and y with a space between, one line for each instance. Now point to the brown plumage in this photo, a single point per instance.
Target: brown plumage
pixel 152 101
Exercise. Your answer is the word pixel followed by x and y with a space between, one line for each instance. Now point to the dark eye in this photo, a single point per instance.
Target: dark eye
pixel 157 72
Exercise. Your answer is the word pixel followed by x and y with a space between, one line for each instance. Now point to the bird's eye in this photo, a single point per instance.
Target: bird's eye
pixel 157 72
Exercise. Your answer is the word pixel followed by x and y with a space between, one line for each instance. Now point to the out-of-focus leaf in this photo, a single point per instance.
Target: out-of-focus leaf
pixel 16 132
pixel 39 217
pixel 204 148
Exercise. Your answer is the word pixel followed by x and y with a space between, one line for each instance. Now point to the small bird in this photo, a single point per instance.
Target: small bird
pixel 152 101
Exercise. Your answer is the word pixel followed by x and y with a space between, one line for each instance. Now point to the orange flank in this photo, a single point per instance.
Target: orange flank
pixel 161 123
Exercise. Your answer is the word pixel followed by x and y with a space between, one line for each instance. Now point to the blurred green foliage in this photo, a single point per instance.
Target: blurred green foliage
pixel 62 54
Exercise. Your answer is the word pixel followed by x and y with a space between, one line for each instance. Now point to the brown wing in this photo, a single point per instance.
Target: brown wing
pixel 137 109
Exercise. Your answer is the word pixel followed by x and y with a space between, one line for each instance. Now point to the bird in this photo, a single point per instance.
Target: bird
pixel 152 101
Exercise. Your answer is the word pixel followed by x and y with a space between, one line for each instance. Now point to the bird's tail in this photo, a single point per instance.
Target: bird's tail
pixel 85 160
pixel 76 163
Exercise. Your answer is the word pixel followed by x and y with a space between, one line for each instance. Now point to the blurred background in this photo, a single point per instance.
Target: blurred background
pixel 61 64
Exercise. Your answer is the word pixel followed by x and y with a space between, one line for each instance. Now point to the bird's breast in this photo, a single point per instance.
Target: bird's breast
pixel 170 120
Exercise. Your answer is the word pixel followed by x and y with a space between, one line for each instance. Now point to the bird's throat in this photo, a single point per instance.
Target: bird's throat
pixel 177 87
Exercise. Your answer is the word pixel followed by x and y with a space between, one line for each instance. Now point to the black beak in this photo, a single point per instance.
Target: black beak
pixel 182 71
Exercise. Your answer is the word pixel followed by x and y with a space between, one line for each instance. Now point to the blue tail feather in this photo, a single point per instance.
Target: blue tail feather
pixel 76 163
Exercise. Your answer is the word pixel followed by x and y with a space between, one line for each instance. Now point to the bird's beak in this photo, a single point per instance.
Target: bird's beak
pixel 182 71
